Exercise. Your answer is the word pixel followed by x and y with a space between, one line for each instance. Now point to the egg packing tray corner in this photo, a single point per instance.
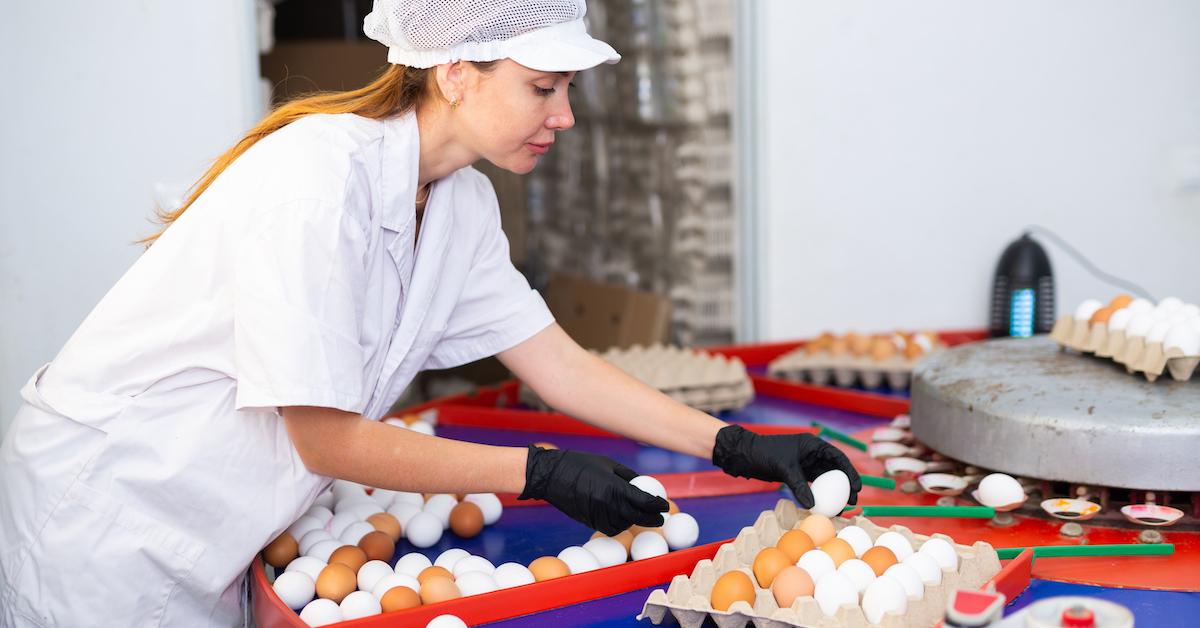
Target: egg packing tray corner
pixel 845 368
pixel 1138 354
pixel 687 597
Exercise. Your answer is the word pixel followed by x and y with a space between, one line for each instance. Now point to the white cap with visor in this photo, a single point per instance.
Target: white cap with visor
pixel 544 35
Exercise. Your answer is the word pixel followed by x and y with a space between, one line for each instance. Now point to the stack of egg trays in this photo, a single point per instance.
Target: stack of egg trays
pixel 843 370
pixel 1137 354
pixel 687 598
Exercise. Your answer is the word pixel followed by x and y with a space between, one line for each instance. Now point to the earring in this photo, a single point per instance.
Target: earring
pixel 453 103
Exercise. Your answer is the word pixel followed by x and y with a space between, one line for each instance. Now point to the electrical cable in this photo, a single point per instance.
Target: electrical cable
pixel 1087 265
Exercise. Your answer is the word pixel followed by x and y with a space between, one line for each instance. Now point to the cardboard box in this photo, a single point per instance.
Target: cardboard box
pixel 603 315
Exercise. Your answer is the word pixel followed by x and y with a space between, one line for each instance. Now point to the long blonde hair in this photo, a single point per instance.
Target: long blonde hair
pixel 398 89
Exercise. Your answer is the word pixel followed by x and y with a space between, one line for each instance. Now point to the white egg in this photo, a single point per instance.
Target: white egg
pixel 884 595
pixel 942 552
pixel 359 604
pixel 833 590
pixel 308 566
pixel 1169 304
pixel 926 567
pixel 1140 324
pixel 1120 319
pixel 342 520
pixel 858 572
pixel 312 538
pixel 412 564
pixel 831 492
pixel 387 583
pixel 345 488
pixel 650 485
pixel 1190 310
pixel 608 551
pixel 817 563
pixel 450 557
pixel 475 582
pixel 648 545
pixel 895 542
pixel 321 612
pixel 403 512
pixel 440 506
pixel 324 549
pixel 578 560
pixel 1184 337
pixel 446 621
pixel 1140 305
pixel 489 504
pixel 396 422
pixel 473 563
pixel 325 500
pixel 999 490
pixel 304 525
pixel 857 538
pixel 1159 332
pixel 402 497
pixel 345 504
pixel 421 427
pixel 681 531
pixel 513 575
pixel 371 573
pixel 365 510
pixel 908 577
pixel 424 530
pixel 383 497
pixel 1086 309
pixel 295 588
pixel 355 532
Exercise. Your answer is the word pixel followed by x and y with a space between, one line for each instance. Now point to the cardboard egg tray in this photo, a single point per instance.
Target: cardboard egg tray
pixel 1136 353
pixel 687 597
pixel 702 380
pixel 843 370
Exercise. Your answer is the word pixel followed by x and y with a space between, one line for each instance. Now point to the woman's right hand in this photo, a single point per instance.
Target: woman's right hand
pixel 590 489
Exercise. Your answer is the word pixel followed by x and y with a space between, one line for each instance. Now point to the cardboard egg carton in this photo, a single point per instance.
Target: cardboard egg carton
pixel 845 368
pixel 1136 353
pixel 687 597
pixel 702 380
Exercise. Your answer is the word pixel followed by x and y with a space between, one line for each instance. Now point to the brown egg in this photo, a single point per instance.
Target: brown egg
pixel 879 558
pixel 436 590
pixel 790 583
pixel 1120 301
pixel 1102 315
pixel 398 599
pixel 636 530
pixel 770 561
pixel 672 507
pixel 839 550
pixel 913 351
pixel 818 528
pixel 548 568
pixel 386 524
pixel 351 556
pixel 281 551
pixel 378 546
pixel 409 419
pixel 839 346
pixel 794 543
pixel 336 581
pixel 858 344
pixel 545 445
pixel 434 572
pixel 466 520
pixel 819 344
pixel 731 587
pixel 882 348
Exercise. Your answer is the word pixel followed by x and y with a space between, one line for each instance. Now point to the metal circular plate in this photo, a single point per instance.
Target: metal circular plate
pixel 1025 407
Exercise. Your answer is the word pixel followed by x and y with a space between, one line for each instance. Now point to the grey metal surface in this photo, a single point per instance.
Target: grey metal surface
pixel 1024 407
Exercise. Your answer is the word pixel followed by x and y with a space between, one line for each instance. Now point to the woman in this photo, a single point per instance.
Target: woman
pixel 243 361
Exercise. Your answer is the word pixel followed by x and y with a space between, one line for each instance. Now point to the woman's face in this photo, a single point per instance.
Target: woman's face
pixel 510 113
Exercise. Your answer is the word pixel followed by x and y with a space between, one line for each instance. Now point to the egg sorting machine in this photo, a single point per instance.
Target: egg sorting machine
pixel 1068 425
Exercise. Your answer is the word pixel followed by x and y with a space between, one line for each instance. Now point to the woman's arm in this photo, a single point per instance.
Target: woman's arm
pixel 575 382
pixel 347 446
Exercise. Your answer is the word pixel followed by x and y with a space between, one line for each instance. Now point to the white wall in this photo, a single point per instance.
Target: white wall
pixel 902 145
pixel 102 100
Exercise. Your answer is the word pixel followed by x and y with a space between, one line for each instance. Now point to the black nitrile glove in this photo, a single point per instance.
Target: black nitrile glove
pixel 794 459
pixel 590 489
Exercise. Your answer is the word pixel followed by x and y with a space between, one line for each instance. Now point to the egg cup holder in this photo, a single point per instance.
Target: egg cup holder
pixel 687 597
pixel 704 381
pixel 1150 359
pixel 843 370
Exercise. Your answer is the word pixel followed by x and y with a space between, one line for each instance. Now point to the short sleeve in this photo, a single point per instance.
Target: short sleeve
pixel 298 299
pixel 497 309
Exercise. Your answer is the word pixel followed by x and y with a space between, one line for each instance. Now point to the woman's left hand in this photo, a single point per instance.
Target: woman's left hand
pixel 794 459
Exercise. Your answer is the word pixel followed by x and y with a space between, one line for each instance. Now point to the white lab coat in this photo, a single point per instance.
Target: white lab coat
pixel 149 462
